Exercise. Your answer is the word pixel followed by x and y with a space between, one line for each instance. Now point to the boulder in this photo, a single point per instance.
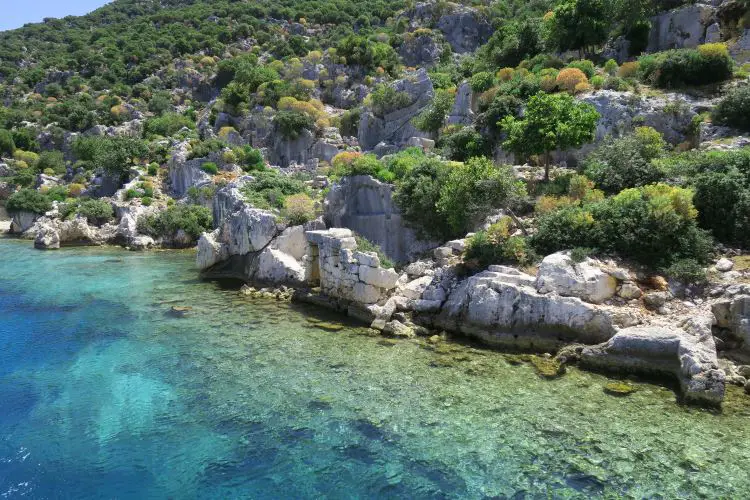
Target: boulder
pixel 22 221
pixel 687 353
pixel 396 127
pixel 500 311
pixel 733 314
pixel 724 265
pixel 462 112
pixel 585 280
pixel 464 28
pixel 684 27
pixel 421 51
pixel 184 173
pixel 249 230
pixel 275 266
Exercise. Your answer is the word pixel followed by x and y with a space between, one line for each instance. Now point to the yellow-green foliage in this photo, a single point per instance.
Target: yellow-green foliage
pixel 571 79
pixel 28 157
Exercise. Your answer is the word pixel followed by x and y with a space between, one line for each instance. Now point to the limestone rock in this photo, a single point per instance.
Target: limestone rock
pixel 420 51
pixel 22 221
pixel 275 266
pixel 684 27
pixel 585 280
pixel 629 291
pixel 462 112
pixel 184 173
pixel 688 353
pixel 499 312
pixel 724 265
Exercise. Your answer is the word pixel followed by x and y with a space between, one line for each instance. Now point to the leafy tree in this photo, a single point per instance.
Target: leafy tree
pixel 464 143
pixel 291 123
pixel 511 43
pixel 418 194
pixel 472 189
pixel 578 25
pixel 114 154
pixel 550 122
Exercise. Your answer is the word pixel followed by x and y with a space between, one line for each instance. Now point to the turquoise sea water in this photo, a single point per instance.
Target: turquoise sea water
pixel 105 394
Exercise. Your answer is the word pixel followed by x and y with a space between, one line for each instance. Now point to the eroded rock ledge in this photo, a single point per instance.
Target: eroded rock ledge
pixel 592 304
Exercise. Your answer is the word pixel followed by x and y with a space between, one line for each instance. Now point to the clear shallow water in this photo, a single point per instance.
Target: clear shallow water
pixel 104 394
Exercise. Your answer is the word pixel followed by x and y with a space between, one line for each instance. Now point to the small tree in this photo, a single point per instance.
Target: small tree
pixel 550 122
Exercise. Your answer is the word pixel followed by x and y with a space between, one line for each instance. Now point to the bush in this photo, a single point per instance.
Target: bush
pixel 417 195
pixel 192 219
pixel 350 122
pixel 482 81
pixel 628 69
pixel 7 146
pixel 114 154
pixel 497 246
pixel 432 119
pixel 569 78
pixel 709 63
pixel 52 160
pixel 28 200
pixel 269 189
pixel 654 225
pixel 299 209
pixel 611 67
pixel 210 168
pixel 464 143
pixel 586 66
pixel 28 157
pixel 734 108
pixel 623 163
pixel 153 169
pixel 291 123
pixel 686 271
pixel 96 211
pixel 472 190
pixel 385 99
pixel 168 124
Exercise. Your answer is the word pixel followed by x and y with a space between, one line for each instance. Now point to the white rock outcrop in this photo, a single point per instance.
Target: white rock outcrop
pixel 585 280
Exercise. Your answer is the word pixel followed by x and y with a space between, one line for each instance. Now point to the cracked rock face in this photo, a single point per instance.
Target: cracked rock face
pixel 585 280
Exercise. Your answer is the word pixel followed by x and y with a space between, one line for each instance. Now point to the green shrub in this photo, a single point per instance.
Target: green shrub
pixel 96 211
pixel 28 200
pixel 153 169
pixel 168 124
pixel 482 81
pixel 52 160
pixel 686 271
pixel 269 189
pixel 192 219
pixel 385 99
pixel 654 225
pixel 210 168
pixel 734 108
pixel 611 67
pixel 7 146
pixel 24 177
pixel 432 119
pixel 497 246
pixel 299 209
pixel 201 149
pixel 57 193
pixel 114 154
pixel 350 122
pixel 683 67
pixel 472 189
pixel 588 67
pixel 626 162
pixel 417 195
pixel 291 123
pixel 464 143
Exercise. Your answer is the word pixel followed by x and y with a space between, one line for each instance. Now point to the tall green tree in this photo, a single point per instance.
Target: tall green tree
pixel 578 25
pixel 550 122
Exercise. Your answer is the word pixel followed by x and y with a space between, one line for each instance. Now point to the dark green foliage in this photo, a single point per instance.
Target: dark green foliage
pixel 269 189
pixel 28 200
pixel 57 193
pixel 464 143
pixel 250 158
pixel 579 24
pixel 168 124
pixel 201 149
pixel 52 160
pixel 385 99
pixel 496 246
pixel 511 43
pixel 367 53
pixel 482 81
pixel 25 139
pixel 96 211
pixel 291 123
pixel 114 154
pixel 210 168
pixel 153 169
pixel 192 219
pixel 7 145
pixel 417 196
pixel 501 106
pixel 24 177
pixel 734 108
pixel 686 271
pixel 432 119
pixel 623 163
pixel 160 103
pixel 588 67
pixel 682 67
pixel 654 225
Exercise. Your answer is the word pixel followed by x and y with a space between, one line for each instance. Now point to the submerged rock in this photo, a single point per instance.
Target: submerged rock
pixel 620 388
